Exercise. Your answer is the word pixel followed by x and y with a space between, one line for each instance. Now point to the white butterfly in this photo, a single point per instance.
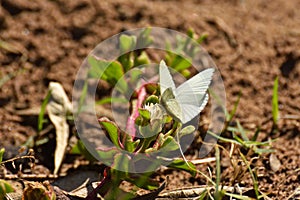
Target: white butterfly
pixel 188 100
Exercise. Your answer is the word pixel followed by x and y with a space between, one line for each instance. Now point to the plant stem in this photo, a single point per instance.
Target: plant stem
pixel 130 126
pixel 102 188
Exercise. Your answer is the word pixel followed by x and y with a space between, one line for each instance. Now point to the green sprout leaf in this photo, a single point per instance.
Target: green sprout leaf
pixel 152 99
pixel 144 39
pixel 169 144
pixel 111 100
pixel 130 145
pixel 5 187
pixel 127 43
pixel 186 166
pixel 142 59
pixel 41 119
pixel 145 114
pixel 179 63
pixel 186 130
pixel 112 130
pixel 79 148
pixel 112 72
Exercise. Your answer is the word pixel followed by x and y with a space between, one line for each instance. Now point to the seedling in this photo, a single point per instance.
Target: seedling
pixel 158 118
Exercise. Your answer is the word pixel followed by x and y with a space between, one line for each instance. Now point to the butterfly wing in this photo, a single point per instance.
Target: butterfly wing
pixel 192 94
pixel 165 78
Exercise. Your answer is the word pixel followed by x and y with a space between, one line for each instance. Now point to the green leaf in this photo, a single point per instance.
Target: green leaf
pixel 112 72
pixel 112 130
pixel 41 119
pixel 144 113
pixel 186 73
pixel 97 68
pixel 127 61
pixel 143 181
pixel 135 74
pixel 202 38
pixel 275 108
pixel 115 73
pixel 2 150
pixel 5 188
pixel 152 99
pixel 169 144
pixel 79 148
pixel 107 156
pixel 182 165
pixel 122 166
pixel 127 43
pixel 151 129
pixel 142 59
pixel 144 39
pixel 130 145
pixel 107 100
pixel 180 63
pixel 187 130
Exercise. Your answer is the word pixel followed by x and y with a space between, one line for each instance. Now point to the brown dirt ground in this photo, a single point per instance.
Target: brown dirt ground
pixel 251 42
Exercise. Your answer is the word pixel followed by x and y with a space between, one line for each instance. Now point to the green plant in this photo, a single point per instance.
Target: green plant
pixel 239 135
pixel 156 137
pixel 149 129
pixel 5 187
pixel 184 46
pixel 1 154
pixel 275 107
pixel 243 140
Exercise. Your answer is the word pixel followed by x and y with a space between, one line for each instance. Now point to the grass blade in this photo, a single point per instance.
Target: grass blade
pixel 253 176
pixel 233 111
pixel 2 150
pixel 275 109
pixel 42 112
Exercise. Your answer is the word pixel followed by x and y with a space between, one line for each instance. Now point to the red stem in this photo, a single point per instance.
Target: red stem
pixel 130 127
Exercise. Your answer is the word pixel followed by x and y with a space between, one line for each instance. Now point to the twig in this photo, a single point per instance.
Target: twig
pixel 201 161
pixel 193 192
pixel 16 158
pixel 29 176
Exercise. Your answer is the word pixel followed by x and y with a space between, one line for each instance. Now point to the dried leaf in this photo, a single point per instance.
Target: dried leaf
pixel 36 190
pixel 58 107
pixel 274 162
